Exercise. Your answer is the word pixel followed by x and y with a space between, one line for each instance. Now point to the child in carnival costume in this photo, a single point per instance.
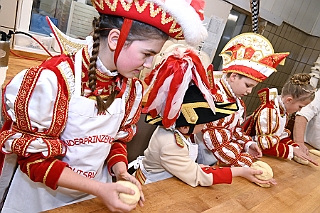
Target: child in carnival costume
pixel 181 102
pixel 247 60
pixel 68 120
pixel 267 125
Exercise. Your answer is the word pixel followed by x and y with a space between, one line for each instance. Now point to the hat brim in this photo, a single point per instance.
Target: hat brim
pixel 205 115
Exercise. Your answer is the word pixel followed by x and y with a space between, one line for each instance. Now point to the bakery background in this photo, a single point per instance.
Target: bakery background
pixel 290 25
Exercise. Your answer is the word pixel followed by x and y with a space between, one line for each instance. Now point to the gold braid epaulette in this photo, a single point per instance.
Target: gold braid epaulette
pixel 179 140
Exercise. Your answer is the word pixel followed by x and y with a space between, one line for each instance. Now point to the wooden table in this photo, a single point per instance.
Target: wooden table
pixel 17 64
pixel 297 191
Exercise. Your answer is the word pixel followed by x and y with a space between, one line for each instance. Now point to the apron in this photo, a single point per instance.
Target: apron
pixel 88 138
pixel 150 177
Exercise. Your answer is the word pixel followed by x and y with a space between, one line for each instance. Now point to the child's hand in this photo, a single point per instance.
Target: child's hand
pixel 120 171
pixel 255 151
pixel 300 154
pixel 256 180
pixel 250 174
pixel 109 194
pixel 303 148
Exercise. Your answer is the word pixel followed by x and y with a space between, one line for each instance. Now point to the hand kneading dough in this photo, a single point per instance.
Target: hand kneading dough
pixel 127 198
pixel 300 160
pixel 315 152
pixel 267 172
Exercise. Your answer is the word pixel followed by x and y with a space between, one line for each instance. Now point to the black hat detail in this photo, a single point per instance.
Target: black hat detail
pixel 196 110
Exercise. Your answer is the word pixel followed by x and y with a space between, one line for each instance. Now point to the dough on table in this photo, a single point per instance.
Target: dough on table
pixel 300 160
pixel 267 172
pixel 127 198
pixel 315 152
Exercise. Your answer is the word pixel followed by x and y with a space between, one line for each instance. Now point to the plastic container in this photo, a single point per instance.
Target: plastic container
pixel 25 41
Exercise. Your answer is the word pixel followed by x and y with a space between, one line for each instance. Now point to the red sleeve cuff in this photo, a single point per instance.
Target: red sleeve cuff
pixel 118 153
pixel 220 174
pixel 46 171
pixel 54 174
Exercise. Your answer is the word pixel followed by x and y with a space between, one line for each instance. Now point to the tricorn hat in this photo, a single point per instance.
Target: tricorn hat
pixel 181 94
pixel 196 110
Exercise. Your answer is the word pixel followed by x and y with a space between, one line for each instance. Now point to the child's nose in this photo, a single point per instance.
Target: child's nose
pixel 148 62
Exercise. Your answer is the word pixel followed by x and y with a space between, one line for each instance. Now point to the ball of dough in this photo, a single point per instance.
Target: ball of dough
pixel 315 152
pixel 127 198
pixel 300 160
pixel 267 172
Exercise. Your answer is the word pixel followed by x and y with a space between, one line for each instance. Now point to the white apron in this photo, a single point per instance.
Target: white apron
pixel 154 177
pixel 89 139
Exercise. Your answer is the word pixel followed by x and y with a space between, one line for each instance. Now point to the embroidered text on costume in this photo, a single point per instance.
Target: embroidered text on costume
pixel 90 139
pixel 85 174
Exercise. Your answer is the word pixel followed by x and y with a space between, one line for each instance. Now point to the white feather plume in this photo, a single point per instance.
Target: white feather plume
pixel 159 102
pixel 182 88
pixel 205 91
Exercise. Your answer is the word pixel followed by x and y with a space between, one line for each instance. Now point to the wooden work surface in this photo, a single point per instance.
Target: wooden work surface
pixel 17 64
pixel 298 190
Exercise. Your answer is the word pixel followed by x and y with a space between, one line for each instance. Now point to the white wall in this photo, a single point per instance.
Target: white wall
pixel 302 14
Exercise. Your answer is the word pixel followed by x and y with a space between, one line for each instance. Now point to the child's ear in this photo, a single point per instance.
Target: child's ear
pixel 289 99
pixel 233 76
pixel 113 38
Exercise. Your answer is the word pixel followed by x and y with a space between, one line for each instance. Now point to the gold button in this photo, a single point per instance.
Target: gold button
pixel 193 119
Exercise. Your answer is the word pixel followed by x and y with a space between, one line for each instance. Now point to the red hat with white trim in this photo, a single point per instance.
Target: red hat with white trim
pixel 251 55
pixel 180 19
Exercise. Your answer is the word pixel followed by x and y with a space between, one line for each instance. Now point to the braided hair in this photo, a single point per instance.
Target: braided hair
pixel 299 87
pixel 101 29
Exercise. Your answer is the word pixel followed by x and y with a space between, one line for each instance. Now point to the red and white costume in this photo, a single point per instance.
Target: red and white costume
pixel 267 125
pixel 250 55
pixel 225 137
pixel 59 127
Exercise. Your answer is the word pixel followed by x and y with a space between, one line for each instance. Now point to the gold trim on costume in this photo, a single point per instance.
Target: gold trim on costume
pixel 140 176
pixel 44 180
pixel 179 140
pixel 151 120
pixel 31 163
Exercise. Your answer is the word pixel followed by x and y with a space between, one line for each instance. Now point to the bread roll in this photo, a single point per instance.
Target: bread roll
pixel 300 160
pixel 127 198
pixel 315 152
pixel 267 172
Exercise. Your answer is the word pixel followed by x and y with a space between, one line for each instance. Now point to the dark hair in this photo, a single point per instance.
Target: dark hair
pixel 101 28
pixel 299 87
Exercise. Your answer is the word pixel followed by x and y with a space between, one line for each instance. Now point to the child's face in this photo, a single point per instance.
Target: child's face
pixel 293 105
pixel 185 129
pixel 198 128
pixel 137 56
pixel 241 85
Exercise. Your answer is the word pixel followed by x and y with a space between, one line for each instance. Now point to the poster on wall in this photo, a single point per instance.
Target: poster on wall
pixel 215 27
